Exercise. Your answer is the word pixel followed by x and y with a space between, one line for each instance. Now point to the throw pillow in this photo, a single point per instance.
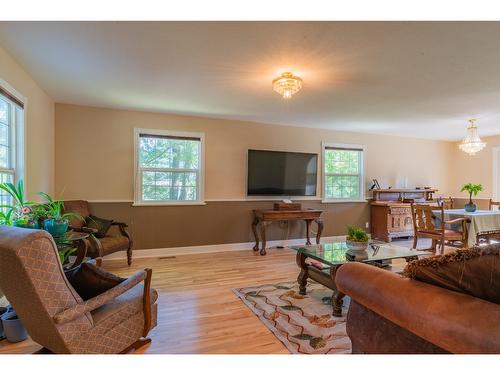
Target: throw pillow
pixel 102 225
pixel 474 271
pixel 89 280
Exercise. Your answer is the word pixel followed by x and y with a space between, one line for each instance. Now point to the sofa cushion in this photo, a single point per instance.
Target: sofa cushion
pixel 102 225
pixel 474 271
pixel 89 280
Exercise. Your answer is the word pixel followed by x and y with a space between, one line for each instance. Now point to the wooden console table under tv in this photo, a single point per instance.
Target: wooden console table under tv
pixel 266 217
pixel 390 212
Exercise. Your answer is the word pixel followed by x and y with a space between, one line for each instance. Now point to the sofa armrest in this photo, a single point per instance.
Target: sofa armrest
pixel 456 322
pixel 81 309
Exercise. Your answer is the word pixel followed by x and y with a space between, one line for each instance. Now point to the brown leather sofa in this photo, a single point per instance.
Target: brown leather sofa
pixel 389 314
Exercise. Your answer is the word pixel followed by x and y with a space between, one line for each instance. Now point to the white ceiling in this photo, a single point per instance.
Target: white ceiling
pixel 419 79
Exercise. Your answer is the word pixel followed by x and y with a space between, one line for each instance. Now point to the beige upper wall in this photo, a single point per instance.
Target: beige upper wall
pixel 39 126
pixel 477 169
pixel 94 152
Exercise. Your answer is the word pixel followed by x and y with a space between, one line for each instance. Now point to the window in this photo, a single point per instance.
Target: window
pixel 11 137
pixel 169 167
pixel 343 172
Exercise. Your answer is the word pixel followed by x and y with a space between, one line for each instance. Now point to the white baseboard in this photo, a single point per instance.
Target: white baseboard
pixel 204 249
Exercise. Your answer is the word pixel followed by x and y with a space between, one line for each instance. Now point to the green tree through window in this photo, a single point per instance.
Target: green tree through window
pixel 343 173
pixel 169 168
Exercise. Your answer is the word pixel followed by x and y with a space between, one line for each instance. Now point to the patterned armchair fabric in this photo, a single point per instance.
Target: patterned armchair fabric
pixel 117 238
pixel 32 278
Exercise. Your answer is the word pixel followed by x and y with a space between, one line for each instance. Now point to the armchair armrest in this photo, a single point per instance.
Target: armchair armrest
pixel 456 322
pixel 84 229
pixel 80 309
pixel 458 220
pixel 120 223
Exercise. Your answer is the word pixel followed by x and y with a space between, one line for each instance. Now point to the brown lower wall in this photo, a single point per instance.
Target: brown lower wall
pixel 220 222
pixel 227 221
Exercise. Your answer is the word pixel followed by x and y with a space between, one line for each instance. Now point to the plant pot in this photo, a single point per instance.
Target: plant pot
pixel 356 247
pixel 56 227
pixel 13 328
pixel 470 207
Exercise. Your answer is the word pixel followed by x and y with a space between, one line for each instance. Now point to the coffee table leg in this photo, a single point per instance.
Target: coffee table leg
pixel 337 296
pixel 337 303
pixel 255 222
pixel 303 275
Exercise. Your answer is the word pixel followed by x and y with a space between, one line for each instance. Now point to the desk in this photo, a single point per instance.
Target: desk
pixel 265 217
pixel 480 221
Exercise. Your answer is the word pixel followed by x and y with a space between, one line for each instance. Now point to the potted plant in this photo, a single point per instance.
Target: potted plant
pixel 472 189
pixel 357 239
pixel 20 212
pixel 55 221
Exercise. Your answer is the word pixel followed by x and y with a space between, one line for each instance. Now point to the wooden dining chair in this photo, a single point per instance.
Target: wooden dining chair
pixel 425 225
pixel 494 204
pixel 447 203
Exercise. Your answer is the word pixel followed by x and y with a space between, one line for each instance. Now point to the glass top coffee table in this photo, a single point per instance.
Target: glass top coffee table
pixel 331 256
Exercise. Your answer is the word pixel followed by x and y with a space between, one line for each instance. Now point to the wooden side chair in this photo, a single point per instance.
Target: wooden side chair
pixel 118 238
pixel 56 316
pixel 493 235
pixel 447 203
pixel 494 205
pixel 424 225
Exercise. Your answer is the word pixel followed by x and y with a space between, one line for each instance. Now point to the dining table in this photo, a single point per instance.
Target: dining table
pixel 480 221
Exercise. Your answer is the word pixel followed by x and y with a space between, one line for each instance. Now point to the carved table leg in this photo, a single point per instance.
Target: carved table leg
pixel 255 222
pixel 302 278
pixel 263 226
pixel 337 296
pixel 319 221
pixel 308 229
pixel 337 303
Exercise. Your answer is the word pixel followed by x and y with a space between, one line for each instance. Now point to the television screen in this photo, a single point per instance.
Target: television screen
pixel 281 173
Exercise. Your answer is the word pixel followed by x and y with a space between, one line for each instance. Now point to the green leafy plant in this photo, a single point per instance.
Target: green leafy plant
pixel 356 234
pixel 6 217
pixel 472 189
pixel 54 208
pixel 21 213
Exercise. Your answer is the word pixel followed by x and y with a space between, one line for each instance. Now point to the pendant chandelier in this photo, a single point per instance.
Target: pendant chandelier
pixel 287 84
pixel 472 143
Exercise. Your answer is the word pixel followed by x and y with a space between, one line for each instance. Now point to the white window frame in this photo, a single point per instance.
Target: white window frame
pixel 17 135
pixel 138 201
pixel 362 187
pixel 495 153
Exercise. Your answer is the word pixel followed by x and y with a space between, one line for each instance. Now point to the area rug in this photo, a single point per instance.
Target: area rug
pixel 304 324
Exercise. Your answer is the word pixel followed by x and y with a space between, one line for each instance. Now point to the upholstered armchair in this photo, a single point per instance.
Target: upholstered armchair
pixel 54 314
pixel 116 239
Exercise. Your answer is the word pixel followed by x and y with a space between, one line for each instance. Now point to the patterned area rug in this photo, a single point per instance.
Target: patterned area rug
pixel 304 324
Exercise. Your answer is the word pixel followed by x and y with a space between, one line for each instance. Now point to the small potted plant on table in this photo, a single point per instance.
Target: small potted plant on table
pixel 472 189
pixel 56 222
pixel 357 240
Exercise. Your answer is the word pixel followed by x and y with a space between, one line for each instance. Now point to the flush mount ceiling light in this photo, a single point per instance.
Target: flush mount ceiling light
pixel 287 84
pixel 472 143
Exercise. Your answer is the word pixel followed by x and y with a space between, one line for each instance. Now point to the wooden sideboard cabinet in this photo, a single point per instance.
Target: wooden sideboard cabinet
pixel 391 215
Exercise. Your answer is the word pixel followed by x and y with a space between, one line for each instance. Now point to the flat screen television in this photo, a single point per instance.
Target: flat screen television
pixel 281 173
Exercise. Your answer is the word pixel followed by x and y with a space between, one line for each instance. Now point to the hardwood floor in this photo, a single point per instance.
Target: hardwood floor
pixel 197 311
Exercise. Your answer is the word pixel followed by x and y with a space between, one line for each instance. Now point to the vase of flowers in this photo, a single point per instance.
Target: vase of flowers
pixel 472 189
